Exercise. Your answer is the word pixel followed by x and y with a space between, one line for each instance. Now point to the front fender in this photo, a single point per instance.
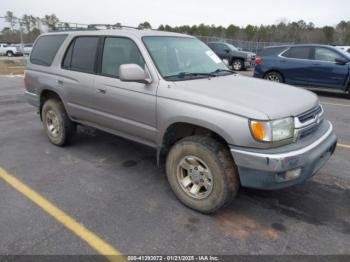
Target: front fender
pixel 232 128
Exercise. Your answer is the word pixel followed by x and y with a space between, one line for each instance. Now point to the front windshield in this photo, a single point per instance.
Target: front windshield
pixel 345 53
pixel 233 47
pixel 179 58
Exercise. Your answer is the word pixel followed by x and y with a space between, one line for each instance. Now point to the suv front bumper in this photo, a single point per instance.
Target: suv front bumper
pixel 266 169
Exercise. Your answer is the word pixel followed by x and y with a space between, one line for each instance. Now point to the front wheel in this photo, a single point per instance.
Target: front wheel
pixel 202 174
pixel 237 64
pixel 9 54
pixel 274 77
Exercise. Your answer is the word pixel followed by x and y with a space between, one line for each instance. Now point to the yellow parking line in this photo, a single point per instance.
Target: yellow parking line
pixel 343 145
pixel 85 234
pixel 335 104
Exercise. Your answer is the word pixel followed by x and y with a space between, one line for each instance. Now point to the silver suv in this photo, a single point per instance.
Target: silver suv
pixel 214 129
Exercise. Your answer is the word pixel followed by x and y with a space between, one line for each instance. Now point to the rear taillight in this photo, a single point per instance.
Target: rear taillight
pixel 258 60
pixel 25 82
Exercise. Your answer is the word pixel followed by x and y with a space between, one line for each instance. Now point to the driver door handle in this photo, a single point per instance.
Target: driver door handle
pixel 102 90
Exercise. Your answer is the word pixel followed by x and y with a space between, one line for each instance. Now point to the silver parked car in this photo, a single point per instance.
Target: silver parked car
pixel 214 129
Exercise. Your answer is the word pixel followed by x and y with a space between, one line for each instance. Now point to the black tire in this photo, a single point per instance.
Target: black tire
pixel 225 180
pixel 9 53
pixel 237 64
pixel 66 128
pixel 274 77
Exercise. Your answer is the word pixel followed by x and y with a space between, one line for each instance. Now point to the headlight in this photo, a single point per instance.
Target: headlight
pixel 272 131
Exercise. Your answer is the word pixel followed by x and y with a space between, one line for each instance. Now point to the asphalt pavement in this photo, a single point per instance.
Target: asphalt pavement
pixel 114 188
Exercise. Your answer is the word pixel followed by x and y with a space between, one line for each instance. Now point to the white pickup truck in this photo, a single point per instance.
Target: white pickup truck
pixel 9 50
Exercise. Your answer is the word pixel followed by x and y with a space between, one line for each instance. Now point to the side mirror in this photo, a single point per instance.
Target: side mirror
pixel 133 73
pixel 227 50
pixel 341 61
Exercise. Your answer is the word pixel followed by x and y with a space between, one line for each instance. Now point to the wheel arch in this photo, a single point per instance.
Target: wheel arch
pixel 181 129
pixel 236 57
pixel 46 94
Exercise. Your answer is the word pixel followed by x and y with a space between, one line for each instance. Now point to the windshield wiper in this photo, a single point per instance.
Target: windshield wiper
pixel 223 70
pixel 188 74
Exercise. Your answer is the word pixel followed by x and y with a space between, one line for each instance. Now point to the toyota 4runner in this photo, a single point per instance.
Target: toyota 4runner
pixel 214 129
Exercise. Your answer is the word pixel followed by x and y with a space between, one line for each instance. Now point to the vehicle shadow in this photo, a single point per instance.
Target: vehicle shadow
pixel 310 202
pixel 330 94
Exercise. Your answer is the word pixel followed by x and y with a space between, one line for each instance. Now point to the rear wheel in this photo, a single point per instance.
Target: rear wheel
pixel 57 125
pixel 237 64
pixel 202 174
pixel 274 77
pixel 9 53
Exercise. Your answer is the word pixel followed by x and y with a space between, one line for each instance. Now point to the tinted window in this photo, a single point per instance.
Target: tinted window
pixel 271 51
pixel 221 47
pixel 83 54
pixel 45 49
pixel 119 51
pixel 212 46
pixel 325 54
pixel 68 57
pixel 300 52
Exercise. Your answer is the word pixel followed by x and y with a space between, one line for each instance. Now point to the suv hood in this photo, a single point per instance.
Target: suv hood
pixel 247 53
pixel 245 96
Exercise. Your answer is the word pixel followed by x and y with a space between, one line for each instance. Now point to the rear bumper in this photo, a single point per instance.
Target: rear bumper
pixel 258 74
pixel 32 99
pixel 269 170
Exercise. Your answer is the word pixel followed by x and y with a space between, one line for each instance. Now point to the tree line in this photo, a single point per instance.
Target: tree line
pixel 282 31
pixel 30 26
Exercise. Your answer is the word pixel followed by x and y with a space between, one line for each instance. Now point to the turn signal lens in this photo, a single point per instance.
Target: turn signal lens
pixel 259 130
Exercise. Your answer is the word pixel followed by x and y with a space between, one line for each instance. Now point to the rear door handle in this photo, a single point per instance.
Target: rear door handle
pixel 60 82
pixel 102 90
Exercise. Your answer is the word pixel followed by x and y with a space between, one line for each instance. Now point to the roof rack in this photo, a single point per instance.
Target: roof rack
pixel 90 27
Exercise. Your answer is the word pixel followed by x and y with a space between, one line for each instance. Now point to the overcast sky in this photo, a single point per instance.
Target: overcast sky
pixel 180 12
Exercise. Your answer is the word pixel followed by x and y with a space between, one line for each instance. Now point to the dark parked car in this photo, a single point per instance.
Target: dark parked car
pixel 237 59
pixel 319 66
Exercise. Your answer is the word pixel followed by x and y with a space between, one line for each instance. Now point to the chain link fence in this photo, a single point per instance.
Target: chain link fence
pixel 250 46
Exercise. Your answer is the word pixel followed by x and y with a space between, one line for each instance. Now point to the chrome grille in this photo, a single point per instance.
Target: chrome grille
pixel 307 123
pixel 312 114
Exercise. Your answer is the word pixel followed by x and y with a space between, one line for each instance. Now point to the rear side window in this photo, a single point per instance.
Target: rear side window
pixel 299 52
pixel 81 54
pixel 45 49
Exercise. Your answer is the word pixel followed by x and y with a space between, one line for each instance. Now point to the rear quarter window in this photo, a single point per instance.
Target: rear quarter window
pixel 298 52
pixel 45 49
pixel 271 51
pixel 81 54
